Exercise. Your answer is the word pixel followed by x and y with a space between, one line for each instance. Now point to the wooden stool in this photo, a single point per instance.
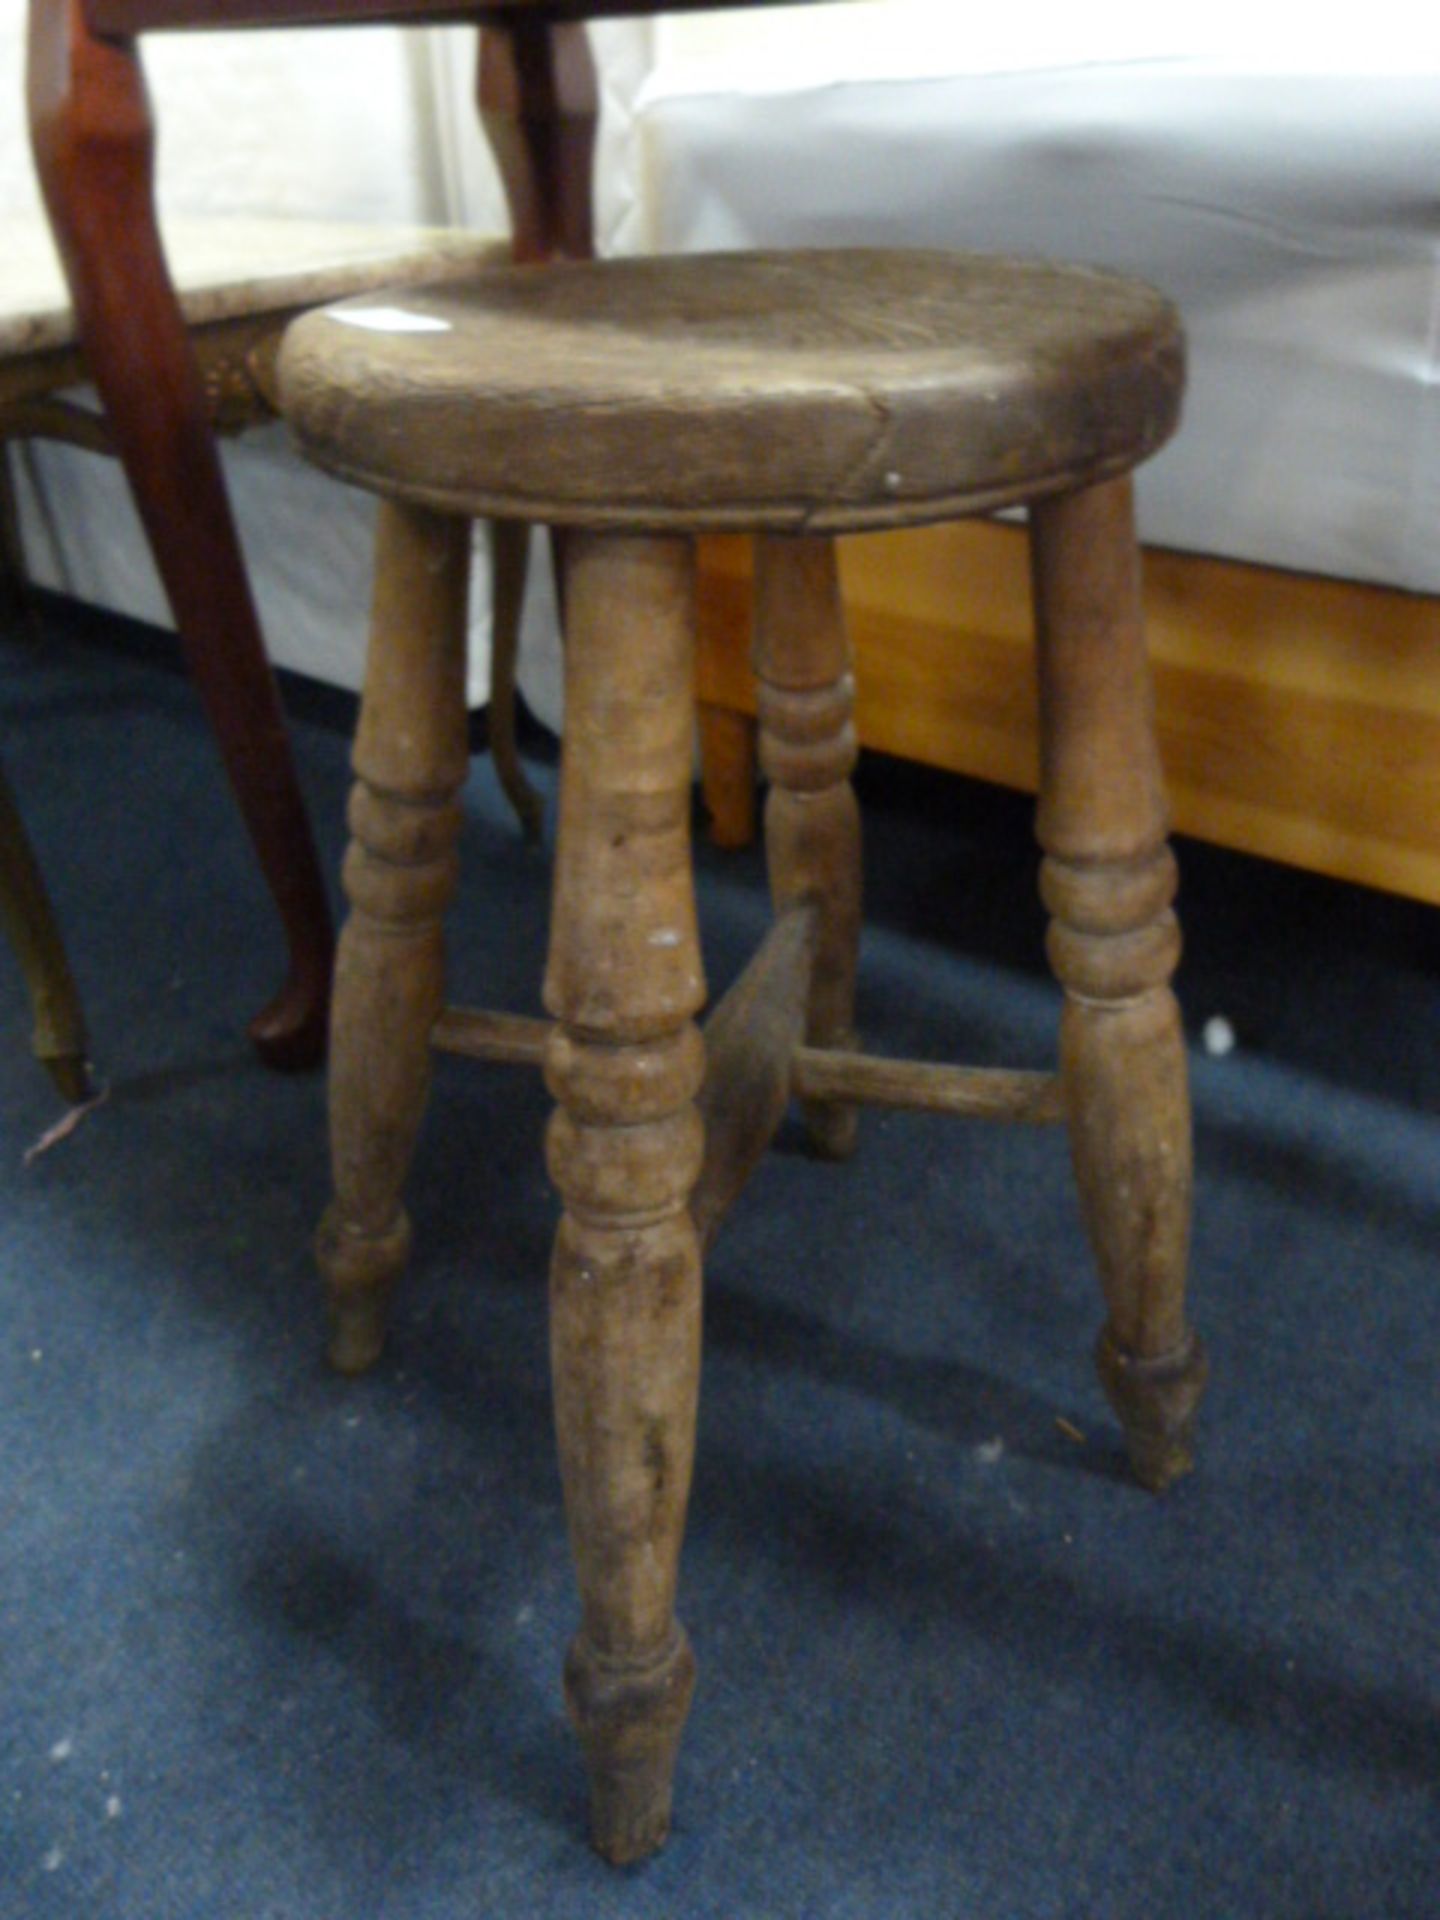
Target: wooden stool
pixel 638 404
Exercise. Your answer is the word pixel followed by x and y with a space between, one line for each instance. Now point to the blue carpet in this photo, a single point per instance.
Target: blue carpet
pixel 274 1645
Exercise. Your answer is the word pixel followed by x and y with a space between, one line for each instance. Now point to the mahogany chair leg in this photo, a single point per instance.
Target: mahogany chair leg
pixel 411 757
pixel 808 750
pixel 94 144
pixel 626 1062
pixel 29 921
pixel 538 97
pixel 1108 880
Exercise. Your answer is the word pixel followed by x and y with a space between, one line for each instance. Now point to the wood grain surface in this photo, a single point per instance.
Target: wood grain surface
pixel 125 19
pixel 799 392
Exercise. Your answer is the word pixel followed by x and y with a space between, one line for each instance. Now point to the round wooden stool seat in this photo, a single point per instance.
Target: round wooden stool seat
pixel 820 391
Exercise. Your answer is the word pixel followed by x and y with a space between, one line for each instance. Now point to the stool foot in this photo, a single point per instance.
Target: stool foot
pixel 812 822
pixel 360 1272
pixel 629 1720
pixel 357 1332
pixel 1156 1401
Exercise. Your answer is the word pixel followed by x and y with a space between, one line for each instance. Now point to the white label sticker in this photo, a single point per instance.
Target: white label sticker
pixel 387 320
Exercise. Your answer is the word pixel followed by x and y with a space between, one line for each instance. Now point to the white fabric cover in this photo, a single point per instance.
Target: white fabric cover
pixel 1285 192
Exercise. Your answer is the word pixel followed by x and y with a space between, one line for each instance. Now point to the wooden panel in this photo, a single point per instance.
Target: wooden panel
pixel 1299 717
pixel 124 19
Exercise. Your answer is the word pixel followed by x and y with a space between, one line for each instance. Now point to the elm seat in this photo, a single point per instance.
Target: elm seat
pixel 637 404
pixel 842 390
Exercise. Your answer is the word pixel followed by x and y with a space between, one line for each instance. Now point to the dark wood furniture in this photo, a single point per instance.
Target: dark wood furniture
pixel 93 140
pixel 637 405
pixel 93 146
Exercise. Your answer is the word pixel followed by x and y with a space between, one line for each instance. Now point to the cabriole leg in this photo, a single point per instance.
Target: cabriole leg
pixel 1108 881
pixel 93 140
pixel 625 1063
pixel 807 749
pixel 410 759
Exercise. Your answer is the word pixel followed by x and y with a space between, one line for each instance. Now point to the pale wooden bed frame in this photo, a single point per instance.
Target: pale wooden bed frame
pixel 1299 716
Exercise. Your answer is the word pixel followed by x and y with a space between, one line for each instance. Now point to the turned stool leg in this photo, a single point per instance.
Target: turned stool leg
pixel 807 749
pixel 1108 880
pixel 625 1063
pixel 411 756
